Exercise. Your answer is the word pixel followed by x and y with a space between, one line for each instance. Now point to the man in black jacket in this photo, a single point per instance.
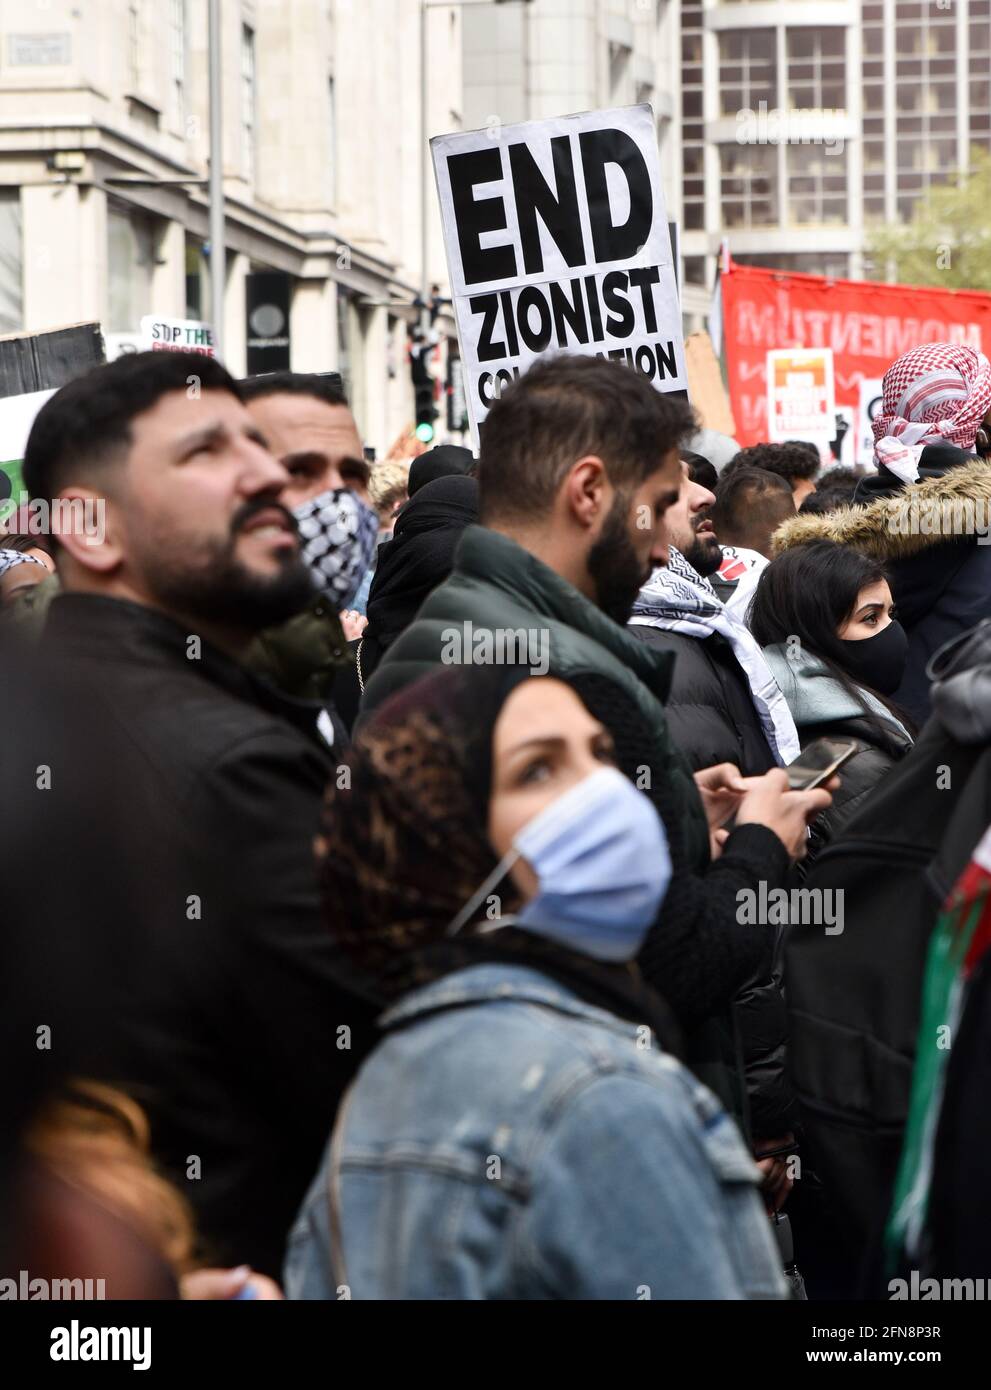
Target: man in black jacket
pixel 710 709
pixel 720 712
pixel 244 1025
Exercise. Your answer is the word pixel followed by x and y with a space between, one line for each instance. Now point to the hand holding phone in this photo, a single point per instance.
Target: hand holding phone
pixel 817 763
pixel 772 803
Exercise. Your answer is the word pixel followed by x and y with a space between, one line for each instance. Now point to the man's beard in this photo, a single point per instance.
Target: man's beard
pixel 223 591
pixel 704 555
pixel 616 570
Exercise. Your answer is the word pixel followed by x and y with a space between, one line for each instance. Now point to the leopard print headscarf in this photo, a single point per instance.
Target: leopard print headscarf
pixel 404 842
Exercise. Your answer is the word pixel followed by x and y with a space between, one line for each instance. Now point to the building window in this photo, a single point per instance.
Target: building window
pixel 11 262
pixel 834 264
pixel 695 270
pixel 132 248
pixel 747 70
pixel 196 279
pixel 177 54
pixel 692 131
pixel 817 185
pixel 619 68
pixel 748 185
pixel 816 69
pixel 248 98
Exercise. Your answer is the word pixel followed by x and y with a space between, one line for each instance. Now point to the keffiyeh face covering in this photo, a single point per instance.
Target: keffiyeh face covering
pixel 937 393
pixel 337 533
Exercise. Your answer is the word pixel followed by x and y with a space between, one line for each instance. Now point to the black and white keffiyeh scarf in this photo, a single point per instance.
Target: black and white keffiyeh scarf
pixel 337 532
pixel 678 599
pixel 9 558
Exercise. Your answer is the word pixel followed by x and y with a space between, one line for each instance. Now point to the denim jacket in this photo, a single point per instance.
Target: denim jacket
pixel 508 1140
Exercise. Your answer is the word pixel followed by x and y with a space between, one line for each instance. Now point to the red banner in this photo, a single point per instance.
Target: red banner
pixel 867 324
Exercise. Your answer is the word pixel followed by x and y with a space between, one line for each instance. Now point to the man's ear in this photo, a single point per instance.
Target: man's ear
pixel 84 523
pixel 587 491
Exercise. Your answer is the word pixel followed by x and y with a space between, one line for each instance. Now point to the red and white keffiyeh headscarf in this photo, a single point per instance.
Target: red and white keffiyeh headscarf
pixel 937 393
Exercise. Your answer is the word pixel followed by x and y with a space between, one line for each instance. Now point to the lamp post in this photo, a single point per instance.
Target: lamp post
pixel 218 245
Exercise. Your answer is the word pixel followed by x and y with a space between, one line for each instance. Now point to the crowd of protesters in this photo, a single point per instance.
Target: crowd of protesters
pixel 408 894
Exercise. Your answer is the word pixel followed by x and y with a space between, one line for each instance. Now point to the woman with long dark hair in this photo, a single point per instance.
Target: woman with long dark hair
pixel 824 615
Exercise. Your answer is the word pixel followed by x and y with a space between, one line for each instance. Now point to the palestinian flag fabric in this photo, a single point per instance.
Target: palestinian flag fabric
pixel 961 937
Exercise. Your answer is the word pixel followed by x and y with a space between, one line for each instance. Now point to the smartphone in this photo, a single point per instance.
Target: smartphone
pixel 818 762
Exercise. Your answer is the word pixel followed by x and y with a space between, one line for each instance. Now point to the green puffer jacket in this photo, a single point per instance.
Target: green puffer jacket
pixel 497 586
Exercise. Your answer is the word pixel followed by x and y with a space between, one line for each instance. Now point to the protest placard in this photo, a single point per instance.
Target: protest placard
pixel 801 401
pixel 869 405
pixel 557 239
pixel 177 335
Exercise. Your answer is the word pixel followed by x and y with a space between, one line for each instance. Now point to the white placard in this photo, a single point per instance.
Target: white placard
pixel 16 418
pixel 177 335
pixel 557 240
pixel 869 406
pixel 801 400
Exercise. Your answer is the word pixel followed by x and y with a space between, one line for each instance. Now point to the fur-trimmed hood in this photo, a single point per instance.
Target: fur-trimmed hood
pixel 918 517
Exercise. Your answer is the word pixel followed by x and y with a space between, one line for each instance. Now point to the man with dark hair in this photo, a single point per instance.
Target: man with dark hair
pixel 308 424
pixel 835 488
pixel 231 1038
pixel 579 464
pixel 141 441
pixel 751 503
pixel 724 706
pixel 795 461
pixel 700 470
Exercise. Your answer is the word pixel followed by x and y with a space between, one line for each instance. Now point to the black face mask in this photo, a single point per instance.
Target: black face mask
pixel 878 661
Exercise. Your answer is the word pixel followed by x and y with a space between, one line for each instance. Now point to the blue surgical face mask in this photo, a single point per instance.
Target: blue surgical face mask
pixel 603 867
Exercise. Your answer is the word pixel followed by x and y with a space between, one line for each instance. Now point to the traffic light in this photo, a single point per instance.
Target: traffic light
pixel 423 389
pixel 426 412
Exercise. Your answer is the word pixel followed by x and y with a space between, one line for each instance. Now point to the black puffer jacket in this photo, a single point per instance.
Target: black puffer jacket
pixel 712 719
pixel 711 715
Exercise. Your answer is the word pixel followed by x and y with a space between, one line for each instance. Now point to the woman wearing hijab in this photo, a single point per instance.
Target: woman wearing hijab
pixel 410 566
pixel 523 1129
pixel 926 513
pixel 824 615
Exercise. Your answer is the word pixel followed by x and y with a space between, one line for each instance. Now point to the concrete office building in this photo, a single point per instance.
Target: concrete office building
pixel 104 160
pixel 554 57
pixel 805 123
